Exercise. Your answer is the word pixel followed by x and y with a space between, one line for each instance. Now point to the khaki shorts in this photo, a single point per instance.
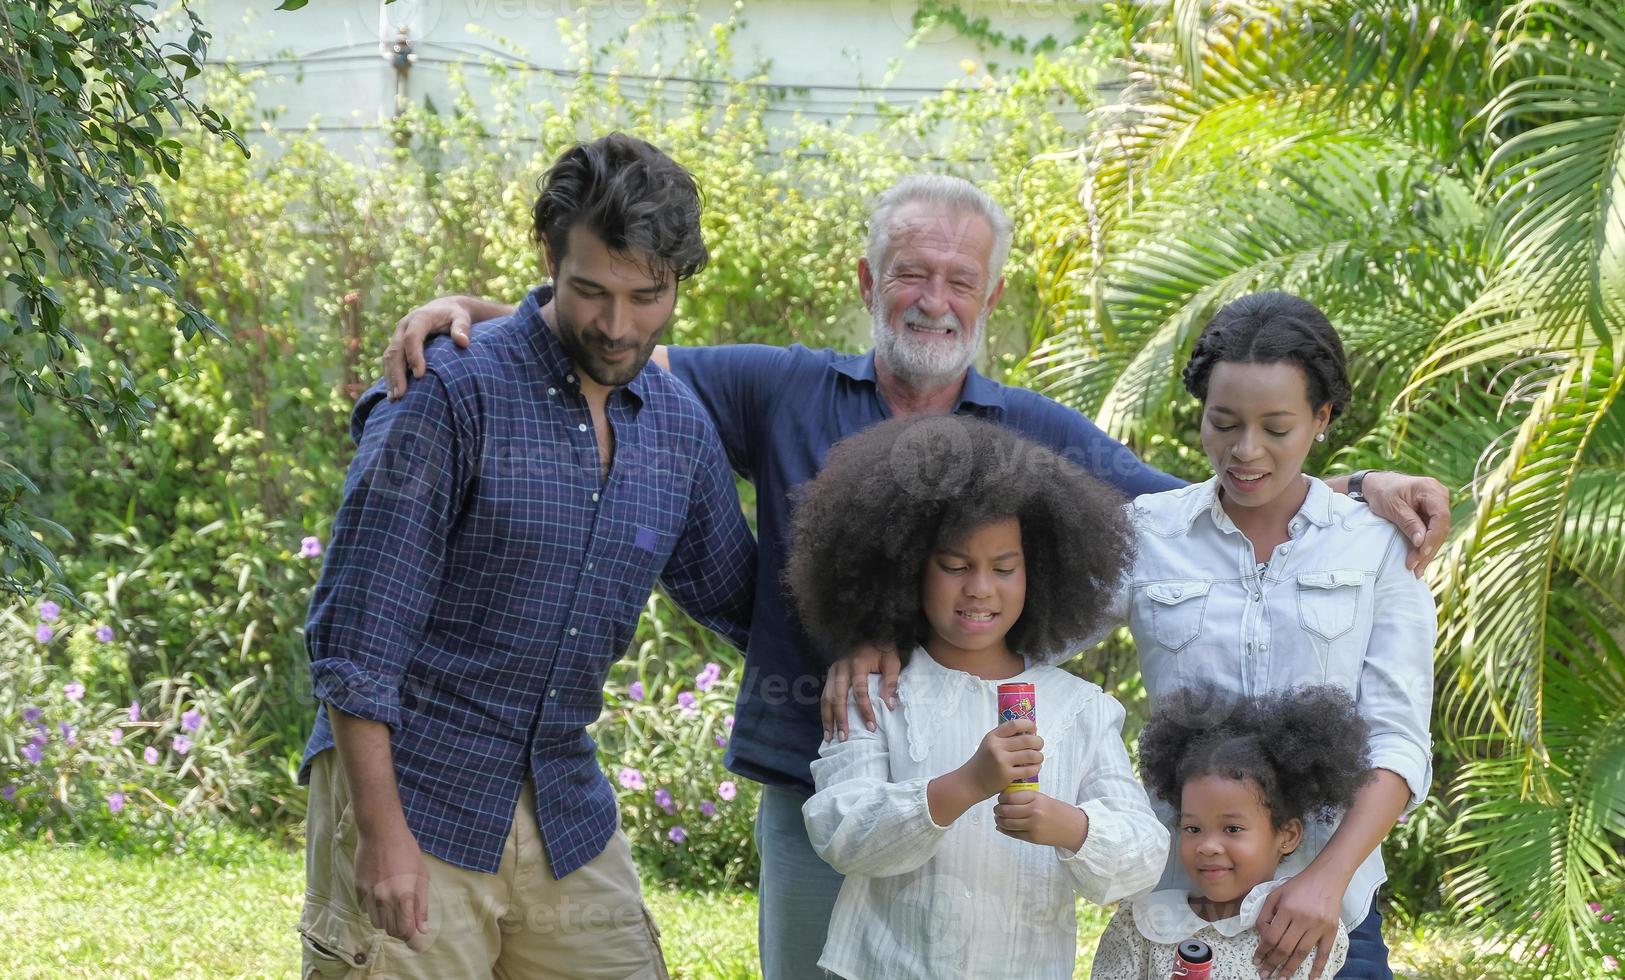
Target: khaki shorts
pixel 517 923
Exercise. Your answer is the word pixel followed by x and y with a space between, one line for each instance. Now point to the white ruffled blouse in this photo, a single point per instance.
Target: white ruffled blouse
pixel 1139 942
pixel 926 901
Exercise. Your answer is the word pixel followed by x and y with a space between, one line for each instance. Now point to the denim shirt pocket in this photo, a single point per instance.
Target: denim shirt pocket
pixel 1328 601
pixel 1177 608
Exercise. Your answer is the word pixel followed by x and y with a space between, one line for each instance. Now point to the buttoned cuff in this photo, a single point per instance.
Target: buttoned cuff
pixel 360 693
pixel 1407 760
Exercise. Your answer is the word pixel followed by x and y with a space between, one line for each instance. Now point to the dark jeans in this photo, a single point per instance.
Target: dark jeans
pixel 1368 954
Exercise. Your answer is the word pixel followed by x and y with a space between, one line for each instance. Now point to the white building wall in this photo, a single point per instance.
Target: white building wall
pixel 328 63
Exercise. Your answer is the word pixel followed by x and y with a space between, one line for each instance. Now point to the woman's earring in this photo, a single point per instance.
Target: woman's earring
pixel 1320 437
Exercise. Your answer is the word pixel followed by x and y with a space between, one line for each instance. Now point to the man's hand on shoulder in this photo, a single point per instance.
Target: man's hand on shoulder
pixel 850 674
pixel 455 315
pixel 1418 505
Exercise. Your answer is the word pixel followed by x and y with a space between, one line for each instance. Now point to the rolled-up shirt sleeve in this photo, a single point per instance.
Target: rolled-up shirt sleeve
pixel 1127 846
pixel 858 821
pixel 1396 681
pixel 402 496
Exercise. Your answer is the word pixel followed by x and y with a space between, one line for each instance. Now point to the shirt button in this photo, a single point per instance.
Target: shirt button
pixel 570 378
pixel 572 631
pixel 553 693
pixel 582 427
pixel 595 498
pixel 552 391
pixel 589 566
pixel 1258 597
pixel 1176 592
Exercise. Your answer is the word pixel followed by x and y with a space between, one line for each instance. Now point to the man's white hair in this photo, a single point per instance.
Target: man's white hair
pixel 949 193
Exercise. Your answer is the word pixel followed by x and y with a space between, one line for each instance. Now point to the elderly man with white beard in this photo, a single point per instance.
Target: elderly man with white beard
pixel 930 278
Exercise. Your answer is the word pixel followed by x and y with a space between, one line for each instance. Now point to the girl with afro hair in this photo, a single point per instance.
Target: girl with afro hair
pixel 985 558
pixel 1244 774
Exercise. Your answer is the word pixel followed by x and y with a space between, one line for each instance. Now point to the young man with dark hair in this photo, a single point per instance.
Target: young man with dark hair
pixel 501 528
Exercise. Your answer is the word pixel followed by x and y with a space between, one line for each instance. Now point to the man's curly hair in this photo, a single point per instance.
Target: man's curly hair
pixel 891 495
pixel 1305 748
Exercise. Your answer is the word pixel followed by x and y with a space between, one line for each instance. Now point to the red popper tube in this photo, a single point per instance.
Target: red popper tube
pixel 1019 701
pixel 1193 960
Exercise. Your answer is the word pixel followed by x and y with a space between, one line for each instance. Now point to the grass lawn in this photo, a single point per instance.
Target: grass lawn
pixel 77 912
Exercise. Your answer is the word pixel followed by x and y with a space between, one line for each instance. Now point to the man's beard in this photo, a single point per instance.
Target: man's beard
pixel 586 348
pixel 922 362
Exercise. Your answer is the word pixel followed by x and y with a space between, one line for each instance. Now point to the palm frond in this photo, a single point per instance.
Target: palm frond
pixel 1539 833
pixel 1497 577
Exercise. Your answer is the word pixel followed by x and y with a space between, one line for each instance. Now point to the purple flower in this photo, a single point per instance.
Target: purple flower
pixel 729 721
pixel 73 691
pixel 1608 917
pixel 181 744
pixel 727 790
pixel 685 700
pixel 707 808
pixel 722 741
pixel 663 800
pixel 49 611
pixel 115 737
pixel 9 791
pixel 32 715
pixel 310 547
pixel 34 751
pixel 631 778
pixel 1610 964
pixel 104 634
pixel 1544 948
pixel 705 678
pixel 44 634
pixel 115 802
pixel 1533 916
pixel 635 691
pixel 677 834
pixel 1594 906
pixel 67 733
pixel 191 721
pixel 135 710
pixel 151 755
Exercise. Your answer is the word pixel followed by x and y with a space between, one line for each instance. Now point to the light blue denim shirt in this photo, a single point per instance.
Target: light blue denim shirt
pixel 1334 605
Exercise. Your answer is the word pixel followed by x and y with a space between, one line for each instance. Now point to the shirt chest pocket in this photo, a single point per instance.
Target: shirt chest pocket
pixel 1328 601
pixel 1176 611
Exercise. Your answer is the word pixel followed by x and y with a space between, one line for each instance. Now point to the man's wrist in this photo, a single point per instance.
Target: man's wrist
pixel 1356 489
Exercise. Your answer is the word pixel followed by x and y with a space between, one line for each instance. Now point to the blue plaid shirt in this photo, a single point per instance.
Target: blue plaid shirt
pixel 482 577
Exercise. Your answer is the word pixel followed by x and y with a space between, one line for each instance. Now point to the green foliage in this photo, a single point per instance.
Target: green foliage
pixel 187 540
pixel 93 99
pixel 1444 180
pixel 661 742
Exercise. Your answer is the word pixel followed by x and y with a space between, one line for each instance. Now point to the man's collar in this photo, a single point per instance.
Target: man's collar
pixel 979 391
pixel 550 353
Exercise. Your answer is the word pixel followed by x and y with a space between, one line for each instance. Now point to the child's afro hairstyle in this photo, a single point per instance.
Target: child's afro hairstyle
pixel 1305 747
pixel 891 495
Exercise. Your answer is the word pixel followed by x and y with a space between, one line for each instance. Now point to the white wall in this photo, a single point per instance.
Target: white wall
pixel 326 63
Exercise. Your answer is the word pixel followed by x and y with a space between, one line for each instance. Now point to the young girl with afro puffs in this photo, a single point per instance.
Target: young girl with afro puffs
pixel 1243 774
pixel 987 556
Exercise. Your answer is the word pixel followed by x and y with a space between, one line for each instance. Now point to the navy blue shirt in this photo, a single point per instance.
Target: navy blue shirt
pixel 779 410
pixel 483 575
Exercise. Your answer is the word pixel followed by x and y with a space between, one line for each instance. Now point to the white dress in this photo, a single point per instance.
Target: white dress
pixel 1139 942
pixel 926 901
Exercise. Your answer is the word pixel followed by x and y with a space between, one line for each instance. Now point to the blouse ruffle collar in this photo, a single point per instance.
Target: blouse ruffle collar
pixel 1167 917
